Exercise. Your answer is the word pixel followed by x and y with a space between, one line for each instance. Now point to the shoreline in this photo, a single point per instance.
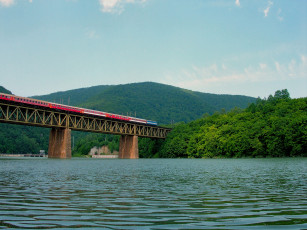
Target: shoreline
pixel 22 155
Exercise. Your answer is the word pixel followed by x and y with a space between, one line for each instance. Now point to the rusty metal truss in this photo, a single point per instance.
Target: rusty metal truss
pixel 23 115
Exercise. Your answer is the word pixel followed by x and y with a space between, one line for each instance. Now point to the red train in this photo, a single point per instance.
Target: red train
pixel 51 105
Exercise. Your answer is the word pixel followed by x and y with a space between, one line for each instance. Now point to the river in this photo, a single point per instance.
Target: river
pixel 153 193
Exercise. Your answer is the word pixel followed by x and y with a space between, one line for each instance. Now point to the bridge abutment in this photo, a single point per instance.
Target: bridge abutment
pixel 128 147
pixel 59 143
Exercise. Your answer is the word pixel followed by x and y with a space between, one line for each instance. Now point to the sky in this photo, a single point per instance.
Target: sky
pixel 238 47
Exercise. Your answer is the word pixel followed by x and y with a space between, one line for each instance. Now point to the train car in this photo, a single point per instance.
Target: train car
pixel 24 100
pixel 6 97
pixel 152 123
pixel 66 108
pixel 138 120
pixel 46 104
pixel 94 112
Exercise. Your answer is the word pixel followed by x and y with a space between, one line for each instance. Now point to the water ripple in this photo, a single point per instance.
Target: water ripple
pixel 153 194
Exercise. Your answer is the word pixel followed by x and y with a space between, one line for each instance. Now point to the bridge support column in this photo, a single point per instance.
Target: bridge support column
pixel 128 147
pixel 59 143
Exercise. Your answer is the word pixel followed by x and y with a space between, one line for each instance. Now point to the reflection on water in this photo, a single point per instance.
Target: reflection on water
pixel 153 193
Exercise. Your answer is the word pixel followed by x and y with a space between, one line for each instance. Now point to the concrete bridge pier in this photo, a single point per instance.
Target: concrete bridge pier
pixel 59 143
pixel 128 147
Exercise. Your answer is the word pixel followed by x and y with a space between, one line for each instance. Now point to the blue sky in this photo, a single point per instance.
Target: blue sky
pixel 245 47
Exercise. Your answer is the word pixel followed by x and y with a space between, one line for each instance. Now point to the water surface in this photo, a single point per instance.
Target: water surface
pixel 153 193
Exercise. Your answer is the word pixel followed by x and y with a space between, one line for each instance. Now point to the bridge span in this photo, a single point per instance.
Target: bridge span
pixel 62 122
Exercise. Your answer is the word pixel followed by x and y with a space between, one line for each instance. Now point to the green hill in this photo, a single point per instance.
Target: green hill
pixel 153 101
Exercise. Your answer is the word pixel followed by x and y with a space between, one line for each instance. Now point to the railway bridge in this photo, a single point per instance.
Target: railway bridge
pixel 62 122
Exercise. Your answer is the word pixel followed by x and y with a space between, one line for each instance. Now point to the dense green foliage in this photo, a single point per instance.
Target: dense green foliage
pixel 273 127
pixel 23 139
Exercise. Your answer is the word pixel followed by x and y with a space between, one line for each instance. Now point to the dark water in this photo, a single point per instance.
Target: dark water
pixel 153 194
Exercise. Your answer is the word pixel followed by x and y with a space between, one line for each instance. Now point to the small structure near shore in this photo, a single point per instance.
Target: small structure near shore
pixel 103 152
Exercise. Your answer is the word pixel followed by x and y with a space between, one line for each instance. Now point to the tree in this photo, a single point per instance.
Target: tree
pixel 282 94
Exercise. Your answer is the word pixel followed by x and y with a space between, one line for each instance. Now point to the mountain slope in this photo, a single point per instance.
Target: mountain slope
pixel 4 90
pixel 224 101
pixel 73 97
pixel 153 101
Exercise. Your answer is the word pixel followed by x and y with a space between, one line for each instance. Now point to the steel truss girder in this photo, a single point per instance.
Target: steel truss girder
pixel 23 115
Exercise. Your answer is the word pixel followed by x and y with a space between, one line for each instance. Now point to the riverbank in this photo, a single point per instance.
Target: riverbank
pixel 22 155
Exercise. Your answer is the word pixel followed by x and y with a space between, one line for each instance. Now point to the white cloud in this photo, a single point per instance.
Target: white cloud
pixel 215 77
pixel 267 10
pixel 6 3
pixel 91 34
pixel 280 18
pixel 108 5
pixel 262 66
pixel 277 66
pixel 116 6
pixel 238 2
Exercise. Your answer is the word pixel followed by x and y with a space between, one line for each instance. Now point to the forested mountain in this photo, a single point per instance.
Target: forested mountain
pixel 163 103
pixel 153 101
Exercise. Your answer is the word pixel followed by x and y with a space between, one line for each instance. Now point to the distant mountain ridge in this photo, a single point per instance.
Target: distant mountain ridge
pixel 153 101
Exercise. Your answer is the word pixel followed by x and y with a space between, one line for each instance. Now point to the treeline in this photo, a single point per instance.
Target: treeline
pixel 272 127
pixel 23 139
